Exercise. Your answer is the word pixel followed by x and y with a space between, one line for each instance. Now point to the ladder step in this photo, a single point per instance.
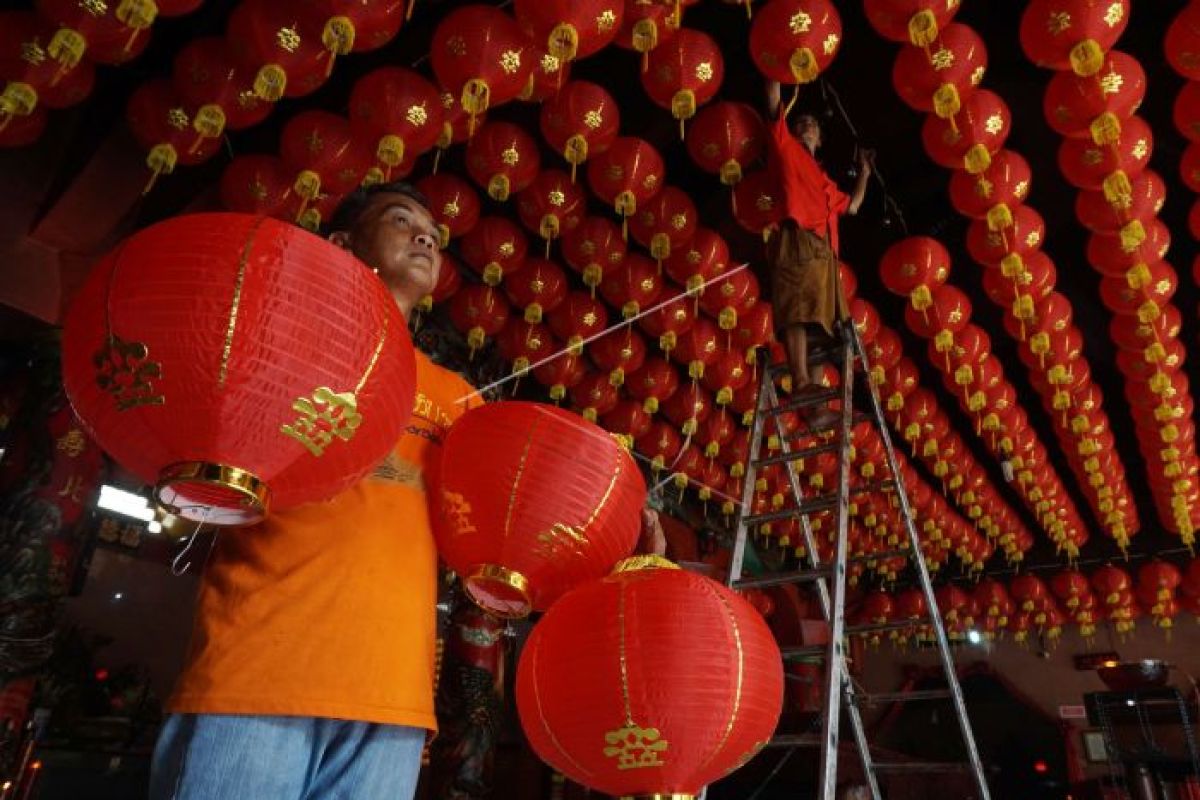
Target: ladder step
pixel 886 554
pixel 902 767
pixel 807 401
pixel 820 650
pixel 795 740
pixel 798 455
pixel 822 502
pixel 783 578
pixel 880 698
pixel 804 651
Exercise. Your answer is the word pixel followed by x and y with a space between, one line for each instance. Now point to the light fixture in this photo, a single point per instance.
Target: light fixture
pixel 118 595
pixel 154 527
pixel 973 637
pixel 123 502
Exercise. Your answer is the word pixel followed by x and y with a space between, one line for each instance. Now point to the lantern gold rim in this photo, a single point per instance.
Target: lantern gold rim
pixel 482 575
pixel 252 492
pixel 660 797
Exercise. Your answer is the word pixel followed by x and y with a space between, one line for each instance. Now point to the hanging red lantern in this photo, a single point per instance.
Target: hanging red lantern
pixel 663 723
pixel 453 203
pixel 619 353
pixel 32 78
pixel 1028 590
pixel 688 407
pixel 653 384
pixel 755 328
pixel 457 126
pixel 726 374
pixel 255 184
pixel 992 247
pixel 502 158
pixel 1100 214
pixel 634 286
pixel 704 257
pixel 1132 333
pixel 1035 280
pixel 1182 43
pixel 594 396
pixel 480 55
pixel 571 29
pixel 1109 582
pixel 968 139
pixel 594 247
pixel 1189 167
pixel 735 293
pixel 578 318
pixel 714 433
pixel 322 154
pixel 398 112
pixel 580 120
pixel 106 34
pixel 660 443
pixel 556 503
pixel 288 412
pixel 495 247
pixel 697 347
pixel 913 267
pixel 448 282
pixel 942 78
pixel 1187 111
pixel 163 128
pixel 540 288
pixel 524 344
pixel 994 193
pixel 627 175
pixel 560 374
pixel 547 77
pixel 1070 586
pixel 949 312
pixel 1095 106
pixel 1087 165
pixel 1110 255
pixel 1072 35
pixel 627 418
pixel 645 25
pixel 684 74
pixel 917 22
pixel 207 78
pixel 551 205
pixel 793 41
pixel 478 312
pixel 665 223
pixel 758 203
pixel 264 37
pixel 725 138
pixel 668 321
pixel 349 26
pixel 1148 299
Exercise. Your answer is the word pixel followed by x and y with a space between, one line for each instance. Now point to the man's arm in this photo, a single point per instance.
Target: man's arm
pixel 773 99
pixel 866 161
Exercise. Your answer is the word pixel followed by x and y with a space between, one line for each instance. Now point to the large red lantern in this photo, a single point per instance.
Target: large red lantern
pixel 593 248
pixel 627 175
pixel 164 129
pixel 551 205
pixel 685 73
pixel 502 158
pixel 287 399
pixel 1074 34
pixel 556 502
pixel 582 119
pixel 398 112
pixel 968 139
pixel 666 223
pixel 792 41
pixel 322 153
pixel 453 203
pixel 1096 105
pixel 221 90
pixel 940 78
pixel 917 22
pixel 264 37
pixel 495 248
pixel 616 691
pixel 571 29
pixel 480 55
pixel 725 138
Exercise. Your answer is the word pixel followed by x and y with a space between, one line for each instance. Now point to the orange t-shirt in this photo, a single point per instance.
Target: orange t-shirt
pixel 813 200
pixel 328 610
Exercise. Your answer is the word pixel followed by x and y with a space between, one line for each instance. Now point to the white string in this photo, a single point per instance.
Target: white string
pixel 177 570
pixel 605 332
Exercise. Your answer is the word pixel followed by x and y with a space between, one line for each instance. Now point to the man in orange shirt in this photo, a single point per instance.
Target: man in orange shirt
pixel 310 672
pixel 805 290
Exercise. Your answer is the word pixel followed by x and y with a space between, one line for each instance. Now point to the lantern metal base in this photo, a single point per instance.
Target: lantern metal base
pixel 500 591
pixel 660 797
pixel 214 494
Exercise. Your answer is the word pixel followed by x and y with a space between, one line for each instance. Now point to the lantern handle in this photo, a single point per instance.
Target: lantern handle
pixel 176 569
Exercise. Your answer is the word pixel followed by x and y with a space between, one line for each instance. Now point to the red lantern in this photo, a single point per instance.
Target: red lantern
pixel 992 194
pixel 914 21
pixel 1096 105
pixel 1187 111
pixel 642 695
pixel 478 312
pixel 688 407
pixel 1087 165
pixel 539 288
pixel 560 374
pixel 627 418
pixel 619 353
pixel 1100 214
pixel 524 344
pixel 594 396
pixel 685 73
pixel 1189 167
pixel 107 34
pixel 594 247
pixel 556 503
pixel 726 374
pixel 33 78
pixel 653 384
pixel 660 443
pixel 480 55
pixel 705 256
pixel 579 317
pixel 697 347
pixel 1109 582
pixel 1072 35
pixel 551 205
pixel 715 432
pixel 730 297
pixel 968 139
pixel 448 282
pixel 1182 43
pixel 582 119
pixel 502 158
pixel 548 75
pixel 1121 298
pixel 949 312
pixel 725 138
pixel 255 184
pixel 322 154
pixel 398 112
pixel 991 247
pixel 627 175
pixel 164 129
pixel 1109 255
pixel 264 37
pixel 348 26
pixel 301 397
pixel 1028 590
pixel 570 28
pixel 453 203
pixel 754 329
pixel 913 266
pixel 1036 280
pixel 758 203
pixel 208 79
pixel 495 247
pixel 667 222
pixel 793 41
pixel 941 79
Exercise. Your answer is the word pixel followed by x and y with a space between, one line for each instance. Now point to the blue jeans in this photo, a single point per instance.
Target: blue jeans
pixel 225 757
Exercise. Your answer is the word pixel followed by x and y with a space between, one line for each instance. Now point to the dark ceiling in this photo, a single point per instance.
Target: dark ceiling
pixel 873 116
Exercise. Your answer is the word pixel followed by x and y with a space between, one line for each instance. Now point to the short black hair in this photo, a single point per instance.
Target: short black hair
pixel 356 202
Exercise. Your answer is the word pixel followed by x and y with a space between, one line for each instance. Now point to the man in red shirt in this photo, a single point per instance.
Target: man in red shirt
pixel 805 288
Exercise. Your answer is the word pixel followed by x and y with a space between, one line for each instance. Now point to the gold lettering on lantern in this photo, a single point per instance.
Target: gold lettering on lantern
pixel 977 75
pixel 236 303
pixel 456 507
pixel 1057 22
pixel 510 156
pixel 764 202
pixel 650 181
pixel 560 540
pixel 123 369
pixel 994 124
pixel 589 319
pixel 177 118
pixel 457 46
pixel 550 64
pixel 942 59
pixel 323 417
pixel 73 489
pixel 830 44
pixel 704 71
pixel 606 20
pixel 71 443
pixel 288 39
pixel 1112 82
pixel 593 119
pixel 800 22
pixel 450 209
pixel 1021 188
pixel 679 221
pixel 1141 149
pixel 97 8
pixel 635 747
pixel 1114 15
pixel 510 61
pixel 416 115
pixel 556 198
pixel 33 52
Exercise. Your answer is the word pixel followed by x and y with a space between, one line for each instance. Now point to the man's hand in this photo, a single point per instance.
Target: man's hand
pixel 653 542
pixel 866 161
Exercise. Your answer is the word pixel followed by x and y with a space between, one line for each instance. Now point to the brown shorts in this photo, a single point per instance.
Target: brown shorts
pixel 805 285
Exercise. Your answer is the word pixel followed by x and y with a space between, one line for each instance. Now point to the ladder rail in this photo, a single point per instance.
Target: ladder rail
pixel 761 403
pixel 935 617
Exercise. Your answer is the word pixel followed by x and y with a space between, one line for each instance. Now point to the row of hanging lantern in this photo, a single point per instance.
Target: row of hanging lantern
pixel 1029 605
pixel 917 268
pixel 939 70
pixel 1092 101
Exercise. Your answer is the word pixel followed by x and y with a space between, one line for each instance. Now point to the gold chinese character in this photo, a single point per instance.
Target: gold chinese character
pixel 510 156
pixel 994 124
pixel 72 443
pixel 73 489
pixel 606 20
pixel 1114 15
pixel 177 118
pixel 704 71
pixel 942 59
pixel 417 115
pixel 1112 82
pixel 830 44
pixel 593 119
pixel 550 64
pixel 1057 22
pixel 510 61
pixel 33 52
pixel 288 39
pixel 556 198
pixel 801 22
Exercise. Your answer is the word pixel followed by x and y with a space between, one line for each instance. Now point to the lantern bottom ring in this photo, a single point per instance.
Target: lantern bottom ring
pixel 500 591
pixel 211 493
pixel 660 797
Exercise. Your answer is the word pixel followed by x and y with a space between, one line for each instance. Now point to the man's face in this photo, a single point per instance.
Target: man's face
pixel 397 237
pixel 808 130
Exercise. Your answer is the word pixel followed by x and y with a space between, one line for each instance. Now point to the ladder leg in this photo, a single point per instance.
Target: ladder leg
pixel 935 618
pixel 860 739
pixel 766 397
